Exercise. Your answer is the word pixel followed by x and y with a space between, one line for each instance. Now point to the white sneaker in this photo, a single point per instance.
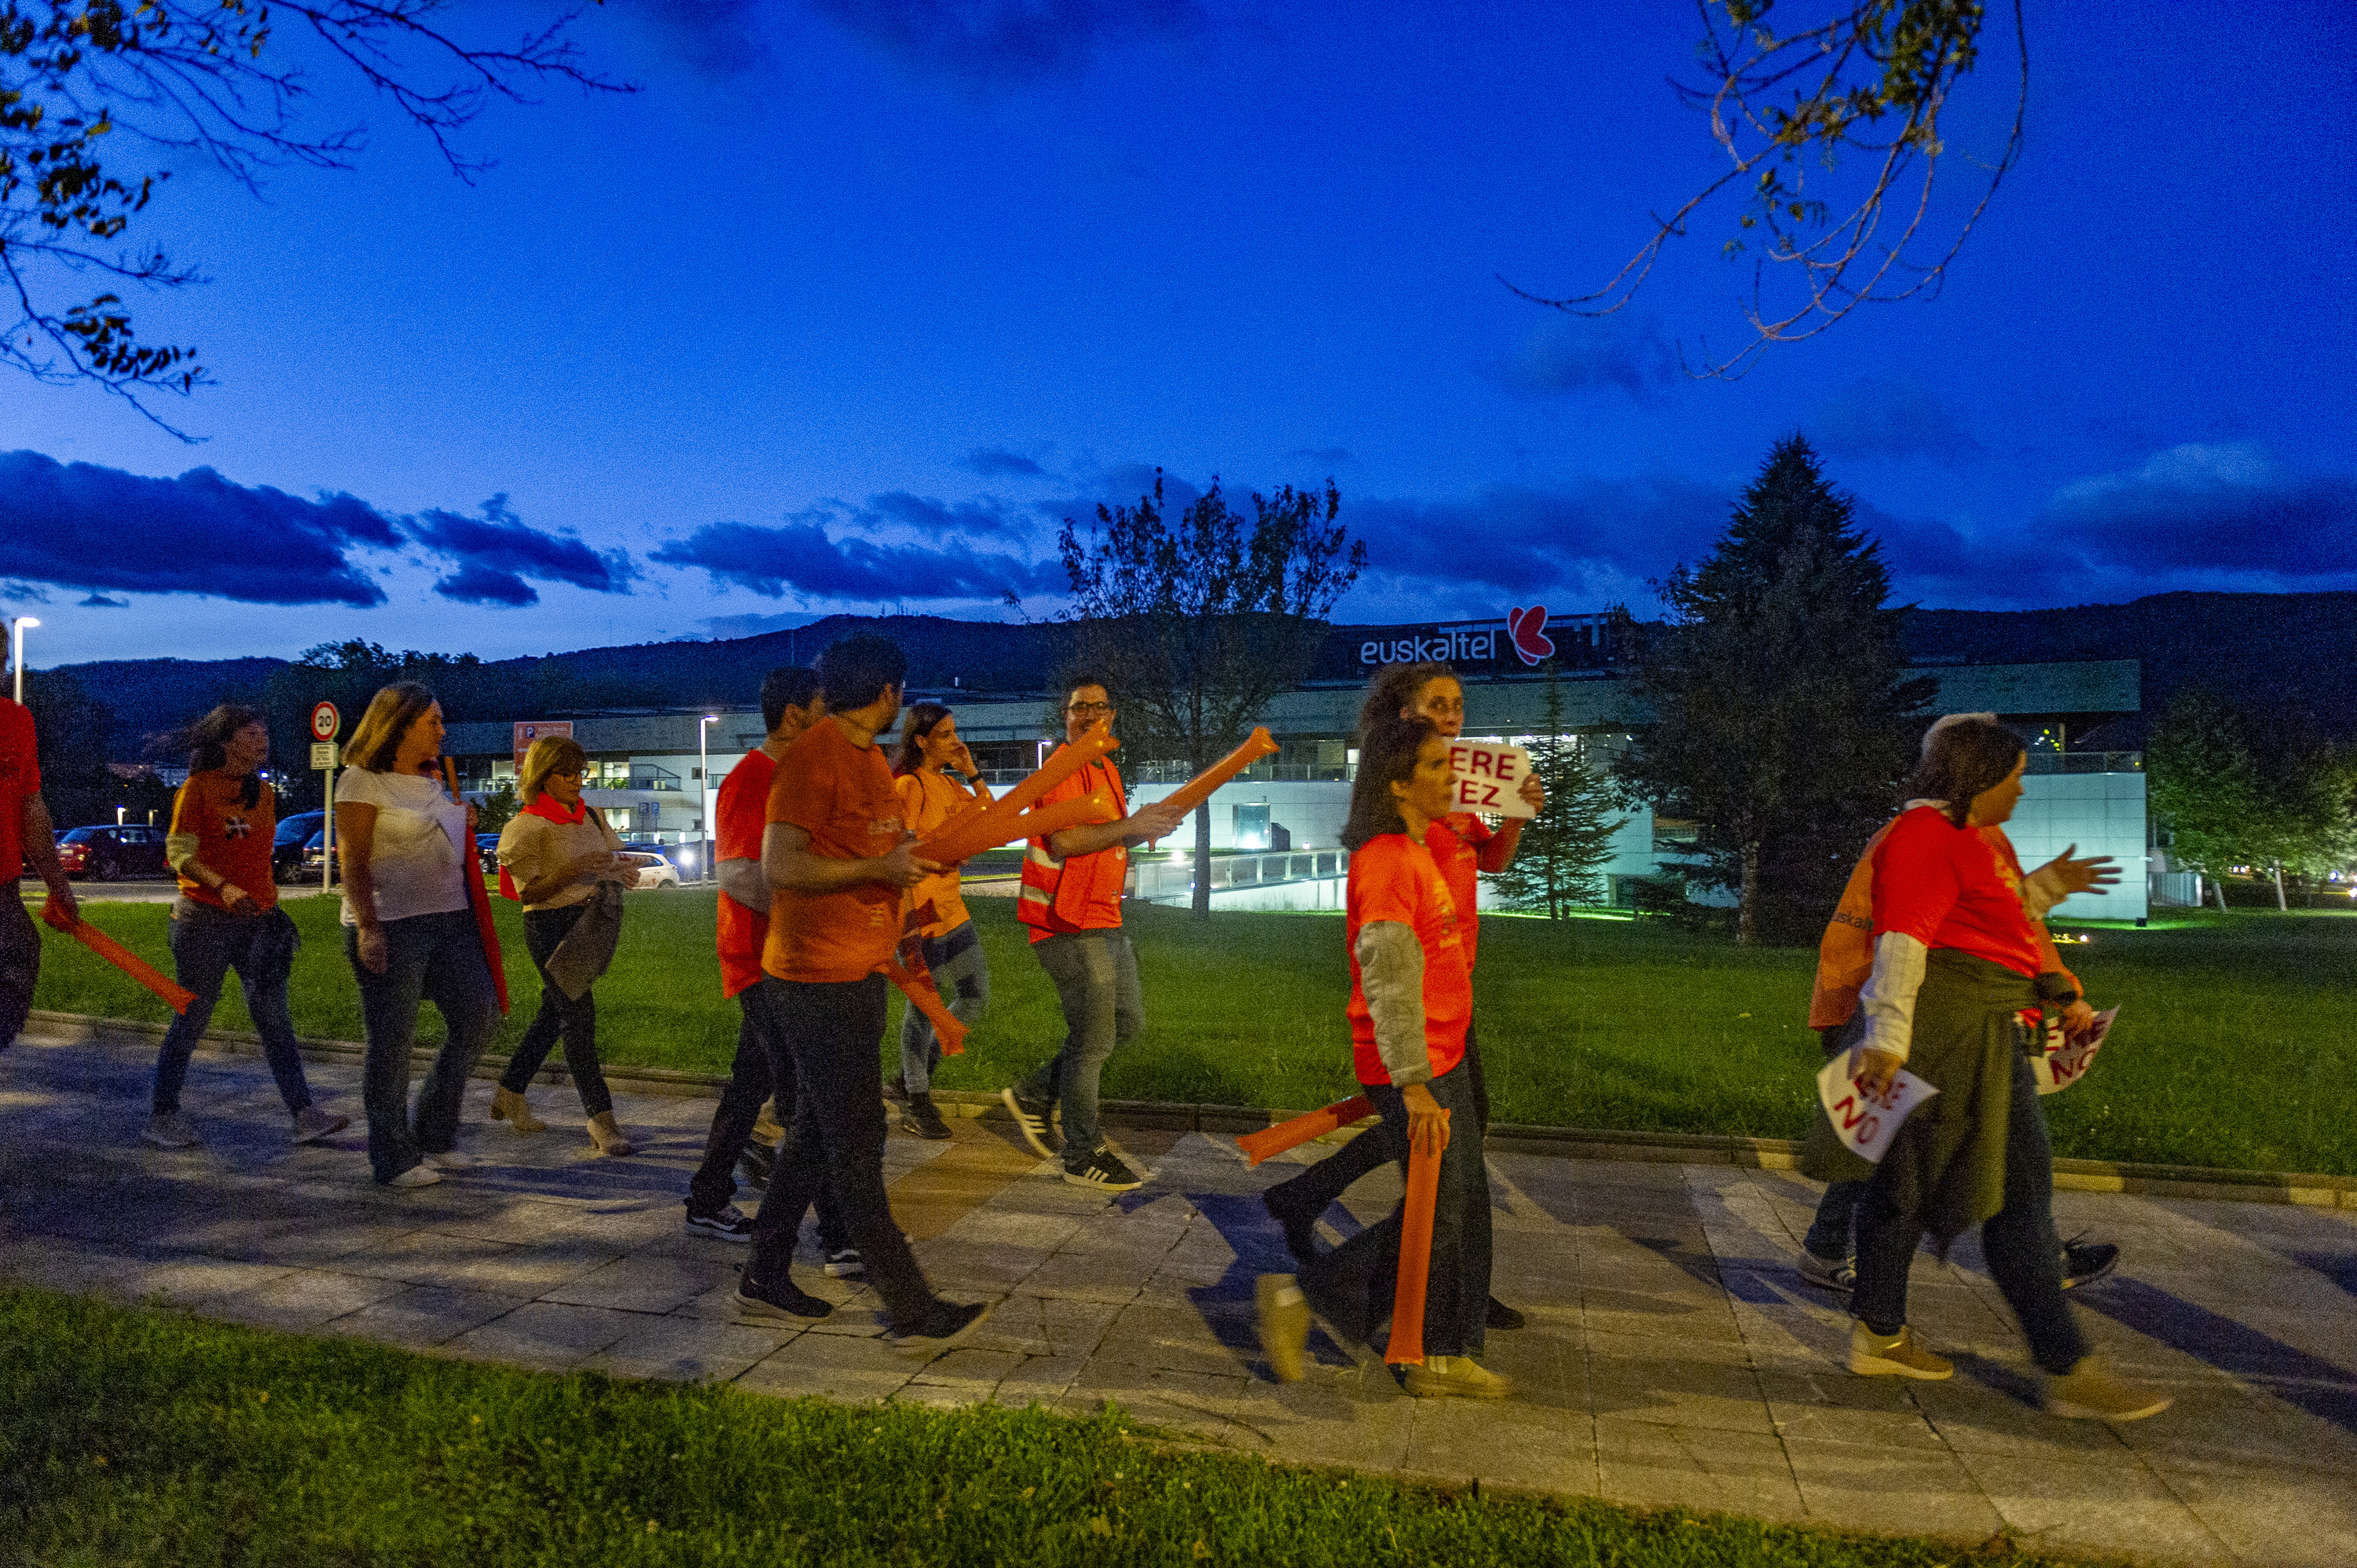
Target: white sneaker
pixel 170 1129
pixel 419 1175
pixel 451 1160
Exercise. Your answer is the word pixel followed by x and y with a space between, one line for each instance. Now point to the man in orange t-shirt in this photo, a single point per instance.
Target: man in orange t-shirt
pixel 839 857
pixel 790 704
pixel 1071 899
pixel 24 835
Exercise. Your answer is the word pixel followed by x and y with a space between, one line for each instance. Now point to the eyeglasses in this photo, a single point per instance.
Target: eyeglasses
pixel 1084 709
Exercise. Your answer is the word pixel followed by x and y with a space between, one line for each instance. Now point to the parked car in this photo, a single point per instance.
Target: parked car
pixel 286 843
pixel 315 856
pixel 486 851
pixel 109 853
pixel 654 869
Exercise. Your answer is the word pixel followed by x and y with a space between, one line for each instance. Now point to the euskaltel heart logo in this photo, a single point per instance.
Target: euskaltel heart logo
pixel 1528 630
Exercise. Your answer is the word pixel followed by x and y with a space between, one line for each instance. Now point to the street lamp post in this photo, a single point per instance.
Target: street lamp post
pixel 703 803
pixel 16 631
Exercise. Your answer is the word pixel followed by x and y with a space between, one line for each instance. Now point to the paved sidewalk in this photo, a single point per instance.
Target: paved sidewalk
pixel 1672 1357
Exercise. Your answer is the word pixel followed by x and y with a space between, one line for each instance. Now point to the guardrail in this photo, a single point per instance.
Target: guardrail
pixel 2085 762
pixel 1175 877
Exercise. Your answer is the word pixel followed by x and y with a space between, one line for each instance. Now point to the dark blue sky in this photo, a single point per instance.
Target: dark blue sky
pixel 856 298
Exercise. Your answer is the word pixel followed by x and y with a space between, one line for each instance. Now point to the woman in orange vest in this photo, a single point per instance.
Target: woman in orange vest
pixel 1411 999
pixel 930 749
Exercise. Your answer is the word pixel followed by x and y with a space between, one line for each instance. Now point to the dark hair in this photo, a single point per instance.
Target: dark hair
pixel 787 686
pixel 208 743
pixel 854 671
pixel 377 737
pixel 923 717
pixel 1394 689
pixel 1084 678
pixel 1963 758
pixel 1387 755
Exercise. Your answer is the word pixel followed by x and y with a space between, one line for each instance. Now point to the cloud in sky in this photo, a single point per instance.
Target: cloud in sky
pixel 101 530
pixel 1521 540
pixel 800 558
pixel 1324 456
pixel 1891 418
pixel 993 462
pixel 899 509
pixel 984 42
pixel 495 552
pixel 1572 353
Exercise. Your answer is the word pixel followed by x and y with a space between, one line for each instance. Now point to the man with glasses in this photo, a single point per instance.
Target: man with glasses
pixel 1071 899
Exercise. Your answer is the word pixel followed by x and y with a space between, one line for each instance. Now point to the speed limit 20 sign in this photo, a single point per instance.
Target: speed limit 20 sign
pixel 326 722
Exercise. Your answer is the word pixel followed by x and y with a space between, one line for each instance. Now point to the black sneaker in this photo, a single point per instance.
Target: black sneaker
pixel 779 1300
pixel 2084 1263
pixel 727 1224
pixel 845 1263
pixel 896 1091
pixel 923 1117
pixel 1031 1120
pixel 1300 1229
pixel 943 1323
pixel 1105 1171
pixel 756 1163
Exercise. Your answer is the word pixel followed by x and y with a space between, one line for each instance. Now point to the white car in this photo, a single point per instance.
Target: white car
pixel 654 871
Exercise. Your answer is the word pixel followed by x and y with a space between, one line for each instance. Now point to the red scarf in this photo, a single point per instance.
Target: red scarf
pixel 545 807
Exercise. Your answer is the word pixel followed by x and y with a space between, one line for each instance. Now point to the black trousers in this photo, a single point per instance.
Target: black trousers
pixel 830 1035
pixel 1322 1184
pixel 751 1081
pixel 559 1015
pixel 20 967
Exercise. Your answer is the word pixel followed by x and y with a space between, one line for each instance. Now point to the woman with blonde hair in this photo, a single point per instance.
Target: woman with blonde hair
pixel 556 856
pixel 929 750
pixel 406 848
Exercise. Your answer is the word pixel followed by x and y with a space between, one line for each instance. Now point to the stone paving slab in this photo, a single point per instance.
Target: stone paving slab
pixel 1674 1356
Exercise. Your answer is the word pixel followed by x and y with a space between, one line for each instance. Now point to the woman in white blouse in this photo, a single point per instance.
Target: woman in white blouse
pixel 406 848
pixel 552 855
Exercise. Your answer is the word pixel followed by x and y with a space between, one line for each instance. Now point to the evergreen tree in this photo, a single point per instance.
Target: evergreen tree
pixel 1780 705
pixel 1554 867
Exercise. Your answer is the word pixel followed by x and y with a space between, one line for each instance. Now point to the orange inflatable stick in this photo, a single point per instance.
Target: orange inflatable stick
pixel 1407 1348
pixel 965 839
pixel 175 995
pixel 1258 1146
pixel 926 998
pixel 1197 789
pixel 1068 759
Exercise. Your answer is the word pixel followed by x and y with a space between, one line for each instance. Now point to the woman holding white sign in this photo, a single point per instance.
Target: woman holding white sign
pixel 1463 846
pixel 1956 964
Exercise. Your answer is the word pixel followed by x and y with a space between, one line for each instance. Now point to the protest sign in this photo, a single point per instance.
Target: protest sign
pixel 2065 1064
pixel 1865 1121
pixel 1489 778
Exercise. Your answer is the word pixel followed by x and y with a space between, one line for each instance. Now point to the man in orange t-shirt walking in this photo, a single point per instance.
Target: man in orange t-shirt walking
pixel 839 857
pixel 25 837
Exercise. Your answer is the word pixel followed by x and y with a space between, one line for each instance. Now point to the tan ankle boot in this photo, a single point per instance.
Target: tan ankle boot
pixel 509 1106
pixel 608 1137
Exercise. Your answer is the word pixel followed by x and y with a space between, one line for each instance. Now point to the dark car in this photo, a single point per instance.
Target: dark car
pixel 109 853
pixel 286 843
pixel 487 850
pixel 314 855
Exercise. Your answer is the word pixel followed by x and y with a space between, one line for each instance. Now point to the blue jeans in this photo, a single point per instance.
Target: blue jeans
pixel 1354 1285
pixel 206 943
pixel 428 957
pixel 961 974
pixel 1095 976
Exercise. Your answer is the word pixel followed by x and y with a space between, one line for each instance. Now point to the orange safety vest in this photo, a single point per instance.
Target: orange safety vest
pixel 1055 894
pixel 1846 954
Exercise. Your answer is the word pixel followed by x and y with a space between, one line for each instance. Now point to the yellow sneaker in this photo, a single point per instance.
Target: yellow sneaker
pixel 2087 1393
pixel 1284 1325
pixel 1456 1376
pixel 1899 1355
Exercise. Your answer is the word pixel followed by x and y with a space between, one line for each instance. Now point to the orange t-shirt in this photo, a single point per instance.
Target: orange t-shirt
pixel 20 778
pixel 1393 878
pixel 1456 842
pixel 1951 887
pixel 1088 891
pixel 737 818
pixel 232 840
pixel 842 795
pixel 927 800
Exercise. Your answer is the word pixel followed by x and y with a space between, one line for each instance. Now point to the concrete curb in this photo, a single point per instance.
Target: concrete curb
pixel 2318 1191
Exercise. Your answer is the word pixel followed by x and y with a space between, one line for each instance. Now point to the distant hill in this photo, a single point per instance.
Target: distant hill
pixel 2268 650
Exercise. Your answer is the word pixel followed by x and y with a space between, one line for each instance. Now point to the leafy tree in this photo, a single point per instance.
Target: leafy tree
pixel 2231 793
pixel 1780 702
pixel 497 808
pixel 95 95
pixel 1831 133
pixel 1200 623
pixel 1554 867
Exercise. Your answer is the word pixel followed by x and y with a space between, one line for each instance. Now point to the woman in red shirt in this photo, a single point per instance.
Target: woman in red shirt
pixel 1956 968
pixel 1411 998
pixel 931 752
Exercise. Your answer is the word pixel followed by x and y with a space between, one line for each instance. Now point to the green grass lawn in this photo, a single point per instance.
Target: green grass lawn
pixel 132 1436
pixel 2235 1046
